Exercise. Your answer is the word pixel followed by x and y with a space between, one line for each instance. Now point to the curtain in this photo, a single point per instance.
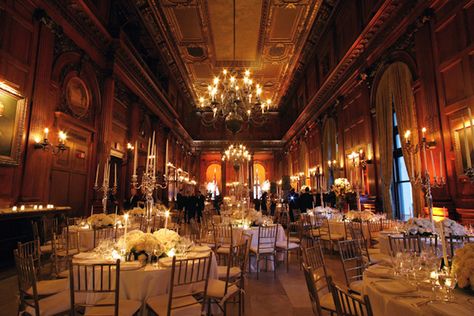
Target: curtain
pixel 395 88
pixel 383 108
pixel 404 104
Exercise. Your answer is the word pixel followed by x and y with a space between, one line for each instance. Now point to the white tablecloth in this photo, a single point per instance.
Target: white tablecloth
pixel 408 303
pixel 86 237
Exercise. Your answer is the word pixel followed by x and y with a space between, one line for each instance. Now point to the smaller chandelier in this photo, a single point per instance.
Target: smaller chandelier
pixel 236 154
pixel 236 100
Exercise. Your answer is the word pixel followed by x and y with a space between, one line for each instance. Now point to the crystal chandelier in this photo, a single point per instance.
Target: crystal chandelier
pixel 237 155
pixel 234 98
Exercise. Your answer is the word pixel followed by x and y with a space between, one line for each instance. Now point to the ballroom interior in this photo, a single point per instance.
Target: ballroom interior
pixel 308 157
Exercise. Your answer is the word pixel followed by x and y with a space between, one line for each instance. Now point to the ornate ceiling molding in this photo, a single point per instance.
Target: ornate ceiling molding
pixel 219 145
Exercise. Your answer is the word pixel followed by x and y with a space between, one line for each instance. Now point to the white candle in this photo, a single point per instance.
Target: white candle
pixel 135 159
pixel 125 216
pixel 466 144
pixel 432 163
pixel 97 174
pixel 166 157
pixel 22 208
pixel 14 209
pixel 167 214
pixel 148 155
pixel 443 243
pixel 424 157
pixel 154 159
pixel 440 165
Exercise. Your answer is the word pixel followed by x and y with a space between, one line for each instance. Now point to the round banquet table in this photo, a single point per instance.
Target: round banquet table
pixel 396 297
pixel 141 283
pixel 253 231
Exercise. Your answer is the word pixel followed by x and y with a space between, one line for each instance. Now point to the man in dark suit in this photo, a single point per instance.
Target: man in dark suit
pixel 306 201
pixel 199 205
pixel 132 202
pixel 293 198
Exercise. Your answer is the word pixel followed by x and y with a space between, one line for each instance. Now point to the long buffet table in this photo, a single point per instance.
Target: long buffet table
pixel 15 226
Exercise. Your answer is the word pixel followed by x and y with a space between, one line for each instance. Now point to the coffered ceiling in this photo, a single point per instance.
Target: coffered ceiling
pixel 265 36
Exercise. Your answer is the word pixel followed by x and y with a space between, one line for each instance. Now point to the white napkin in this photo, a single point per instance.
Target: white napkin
pixel 378 271
pixel 394 286
pixel 85 256
pixel 200 249
pixel 451 308
pixel 130 265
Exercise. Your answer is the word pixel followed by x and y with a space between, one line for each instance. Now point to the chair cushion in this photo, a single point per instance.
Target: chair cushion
pixel 159 305
pixel 285 245
pixel 52 305
pixel 262 250
pixel 327 302
pixel 222 272
pixel 48 287
pixel 46 248
pixel 223 250
pixel 356 286
pixel 296 240
pixel 334 236
pixel 126 308
pixel 216 289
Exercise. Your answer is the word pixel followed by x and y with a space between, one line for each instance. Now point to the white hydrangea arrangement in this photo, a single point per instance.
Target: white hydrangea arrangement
pixel 452 228
pixel 419 226
pixel 101 220
pixel 136 211
pixel 360 215
pixel 463 266
pixel 341 187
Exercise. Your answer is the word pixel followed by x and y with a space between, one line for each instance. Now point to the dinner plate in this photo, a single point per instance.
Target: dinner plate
pixel 130 265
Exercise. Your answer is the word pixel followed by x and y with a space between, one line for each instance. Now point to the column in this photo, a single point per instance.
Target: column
pixel 223 178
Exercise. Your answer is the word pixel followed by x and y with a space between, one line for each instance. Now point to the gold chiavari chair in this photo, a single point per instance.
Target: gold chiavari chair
pixel 192 274
pixel 223 239
pixel 31 248
pixel 310 227
pixel 65 246
pixel 373 228
pixel 405 243
pixel 319 293
pixel 31 291
pixel 101 280
pixel 266 247
pixel 453 243
pixel 353 264
pixel 231 282
pixel 102 234
pixel 287 246
pixel 328 236
pixel 385 224
pixel 348 304
pixel 429 243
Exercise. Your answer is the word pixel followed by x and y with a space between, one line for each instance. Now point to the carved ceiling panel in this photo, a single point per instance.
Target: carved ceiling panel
pixel 268 37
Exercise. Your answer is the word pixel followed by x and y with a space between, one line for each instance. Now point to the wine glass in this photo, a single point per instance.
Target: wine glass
pixel 447 280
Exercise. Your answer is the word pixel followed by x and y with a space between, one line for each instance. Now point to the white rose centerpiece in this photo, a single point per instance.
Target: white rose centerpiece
pixel 452 228
pixel 419 226
pixel 463 266
pixel 101 220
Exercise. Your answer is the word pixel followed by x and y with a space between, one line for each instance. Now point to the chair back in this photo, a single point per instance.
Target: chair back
pixel 385 224
pixel 429 243
pixel 26 274
pixel 103 233
pixel 348 304
pixel 31 249
pixel 353 262
pixel 99 278
pixel 405 243
pixel 313 259
pixel 313 293
pixel 357 231
pixel 216 219
pixel 267 236
pixel 223 234
pixel 189 273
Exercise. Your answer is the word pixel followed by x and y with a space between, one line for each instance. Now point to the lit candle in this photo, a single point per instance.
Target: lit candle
pixel 466 144
pixel 97 175
pixel 167 214
pixel 443 243
pixel 22 208
pixel 407 136
pixel 135 159
pixel 423 131
pixel 440 165
pixel 35 207
pixel 46 131
pixel 14 208
pixel 125 217
pixel 432 163
pixel 40 207
pixel 148 155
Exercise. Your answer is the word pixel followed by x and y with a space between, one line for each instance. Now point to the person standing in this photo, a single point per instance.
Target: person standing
pixel 191 205
pixel 199 205
pixel 306 201
pixel 132 202
pixel 263 203
pixel 292 203
pixel 273 200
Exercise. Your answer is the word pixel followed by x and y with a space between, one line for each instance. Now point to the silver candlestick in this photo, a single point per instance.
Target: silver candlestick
pixel 106 190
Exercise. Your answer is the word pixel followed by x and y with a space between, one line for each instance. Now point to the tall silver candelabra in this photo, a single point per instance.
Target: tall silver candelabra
pixel 423 179
pixel 105 192
pixel 147 186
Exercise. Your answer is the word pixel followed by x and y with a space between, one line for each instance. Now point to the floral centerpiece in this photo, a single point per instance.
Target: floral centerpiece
pixel 452 228
pixel 419 226
pixel 141 246
pixel 357 216
pixel 136 211
pixel 101 220
pixel 463 266
pixel 341 188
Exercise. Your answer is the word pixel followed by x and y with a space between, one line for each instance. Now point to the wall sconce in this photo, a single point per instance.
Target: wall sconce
pixel 130 146
pixel 46 144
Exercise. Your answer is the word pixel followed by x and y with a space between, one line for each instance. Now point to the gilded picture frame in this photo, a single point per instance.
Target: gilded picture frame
pixel 12 121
